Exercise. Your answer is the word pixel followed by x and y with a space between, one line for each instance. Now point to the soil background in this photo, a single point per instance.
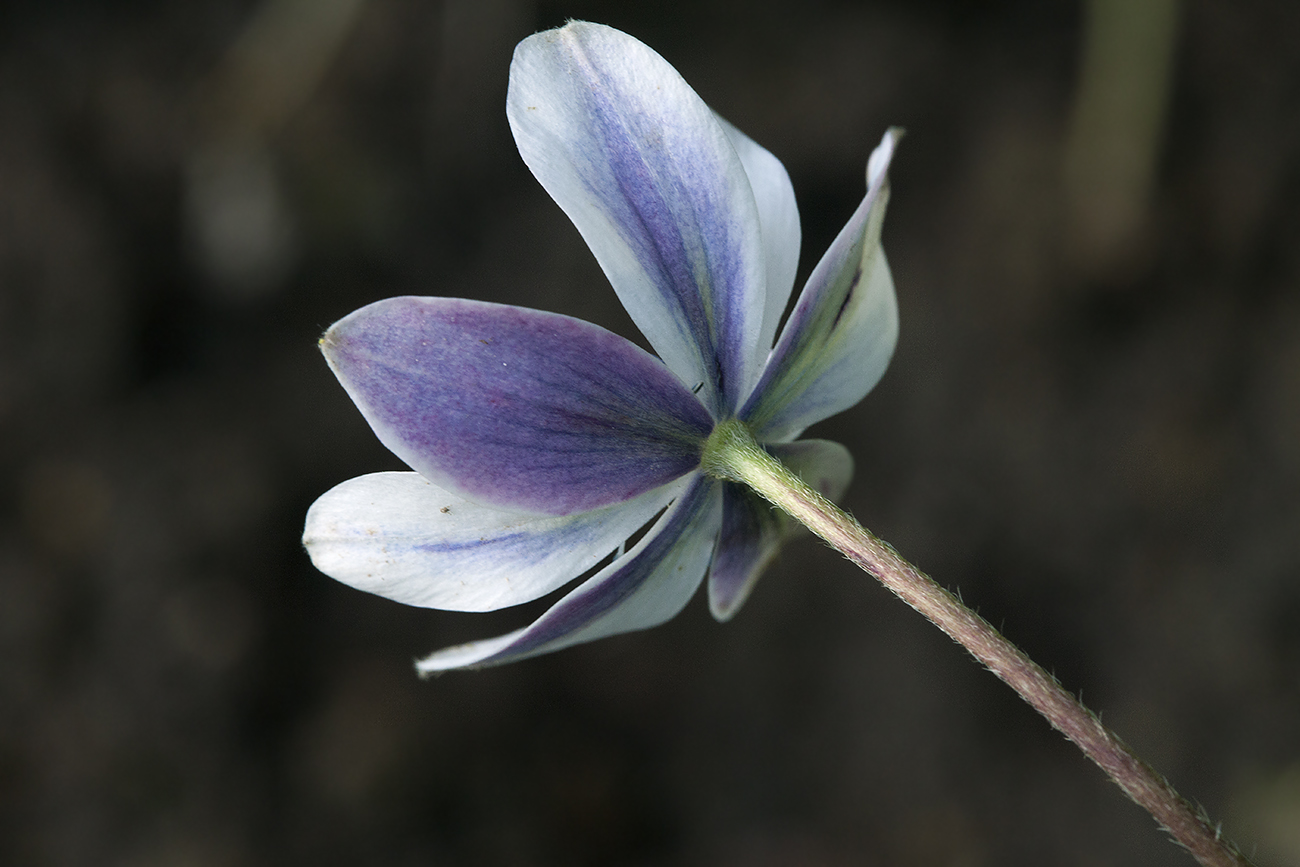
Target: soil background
pixel 1091 427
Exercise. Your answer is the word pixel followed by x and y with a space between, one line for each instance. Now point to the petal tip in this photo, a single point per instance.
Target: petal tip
pixel 878 163
pixel 723 609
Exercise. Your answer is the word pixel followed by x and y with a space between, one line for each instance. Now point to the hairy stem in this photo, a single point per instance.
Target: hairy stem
pixel 732 454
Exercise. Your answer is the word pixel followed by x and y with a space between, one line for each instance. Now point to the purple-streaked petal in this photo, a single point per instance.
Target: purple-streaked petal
pixel 514 408
pixel 404 538
pixel 750 538
pixel 779 217
pixel 641 589
pixel 841 333
pixel 655 187
pixel 753 532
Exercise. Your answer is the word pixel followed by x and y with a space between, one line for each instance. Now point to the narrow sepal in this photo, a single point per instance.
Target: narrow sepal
pixel 402 537
pixel 750 538
pixel 842 331
pixel 515 408
pixel 643 588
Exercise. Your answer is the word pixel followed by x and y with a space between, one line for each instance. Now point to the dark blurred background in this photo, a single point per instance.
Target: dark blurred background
pixel 1091 427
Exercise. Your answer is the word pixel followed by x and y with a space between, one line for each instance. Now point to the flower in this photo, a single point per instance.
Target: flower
pixel 542 443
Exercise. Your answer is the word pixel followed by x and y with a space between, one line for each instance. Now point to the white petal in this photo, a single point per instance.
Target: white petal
pixel 398 535
pixel 641 589
pixel 779 217
pixel 841 334
pixel 655 186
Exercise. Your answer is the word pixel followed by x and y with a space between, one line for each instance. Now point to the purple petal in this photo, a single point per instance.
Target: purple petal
pixel 750 538
pixel 841 333
pixel 753 532
pixel 651 180
pixel 516 408
pixel 644 588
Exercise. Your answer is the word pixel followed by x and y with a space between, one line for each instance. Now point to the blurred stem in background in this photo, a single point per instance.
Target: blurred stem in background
pixel 1116 131
pixel 241 228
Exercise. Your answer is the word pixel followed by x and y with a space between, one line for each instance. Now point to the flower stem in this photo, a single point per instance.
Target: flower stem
pixel 733 454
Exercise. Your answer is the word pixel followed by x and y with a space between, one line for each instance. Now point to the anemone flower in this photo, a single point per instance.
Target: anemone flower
pixel 541 443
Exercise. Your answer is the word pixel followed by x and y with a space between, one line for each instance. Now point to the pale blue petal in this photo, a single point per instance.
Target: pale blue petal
pixel 654 184
pixel 514 408
pixel 641 589
pixel 841 333
pixel 753 531
pixel 779 217
pixel 402 537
